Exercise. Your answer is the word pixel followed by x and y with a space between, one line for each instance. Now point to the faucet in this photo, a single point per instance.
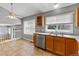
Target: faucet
pixel 61 33
pixel 56 32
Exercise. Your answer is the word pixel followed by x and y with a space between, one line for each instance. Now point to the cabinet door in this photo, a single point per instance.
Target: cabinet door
pixel 35 39
pixel 49 43
pixel 40 21
pixel 71 47
pixel 77 17
pixel 59 45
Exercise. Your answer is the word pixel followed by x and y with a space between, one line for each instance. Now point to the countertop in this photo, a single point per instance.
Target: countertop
pixel 64 35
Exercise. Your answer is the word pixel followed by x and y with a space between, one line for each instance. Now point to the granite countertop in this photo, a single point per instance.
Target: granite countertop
pixel 64 35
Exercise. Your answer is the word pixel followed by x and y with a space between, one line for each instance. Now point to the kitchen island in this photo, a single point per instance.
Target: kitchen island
pixel 66 45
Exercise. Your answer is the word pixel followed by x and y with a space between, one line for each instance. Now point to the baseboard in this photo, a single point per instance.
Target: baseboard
pixel 27 39
pixel 9 40
pixel 15 38
pixel 6 41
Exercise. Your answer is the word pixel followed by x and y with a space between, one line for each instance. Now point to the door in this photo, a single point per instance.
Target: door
pixel 12 33
pixel 40 21
pixel 49 43
pixel 77 17
pixel 59 45
pixel 71 47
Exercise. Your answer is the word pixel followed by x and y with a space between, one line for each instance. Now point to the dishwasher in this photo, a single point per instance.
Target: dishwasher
pixel 41 41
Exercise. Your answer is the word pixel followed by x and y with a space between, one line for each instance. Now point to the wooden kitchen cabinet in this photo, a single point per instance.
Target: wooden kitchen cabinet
pixel 71 47
pixel 59 45
pixel 34 39
pixel 77 17
pixel 40 21
pixel 49 43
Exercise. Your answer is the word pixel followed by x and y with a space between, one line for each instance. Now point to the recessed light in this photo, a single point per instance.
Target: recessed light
pixel 56 5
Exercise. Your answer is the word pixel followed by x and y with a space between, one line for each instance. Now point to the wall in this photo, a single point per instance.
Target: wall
pixel 76 31
pixel 3 30
pixel 47 14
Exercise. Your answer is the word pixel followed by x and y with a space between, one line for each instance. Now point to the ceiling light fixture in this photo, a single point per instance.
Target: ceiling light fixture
pixel 12 14
pixel 56 5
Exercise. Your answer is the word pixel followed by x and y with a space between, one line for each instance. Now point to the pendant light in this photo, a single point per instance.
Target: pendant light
pixel 12 14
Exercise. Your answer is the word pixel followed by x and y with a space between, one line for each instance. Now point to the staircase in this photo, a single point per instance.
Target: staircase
pixel 4 37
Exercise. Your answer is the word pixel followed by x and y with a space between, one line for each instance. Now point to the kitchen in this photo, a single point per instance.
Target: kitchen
pixel 39 29
pixel 57 33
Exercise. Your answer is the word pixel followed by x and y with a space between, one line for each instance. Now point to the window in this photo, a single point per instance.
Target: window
pixel 60 28
pixel 60 23
pixel 29 27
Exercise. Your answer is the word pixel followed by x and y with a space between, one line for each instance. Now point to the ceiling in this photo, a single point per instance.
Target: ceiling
pixel 4 20
pixel 25 9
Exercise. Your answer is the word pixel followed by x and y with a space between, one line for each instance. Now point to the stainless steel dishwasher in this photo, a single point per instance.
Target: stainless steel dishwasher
pixel 41 41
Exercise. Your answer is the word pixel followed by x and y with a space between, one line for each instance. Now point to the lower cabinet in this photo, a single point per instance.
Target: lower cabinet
pixel 62 45
pixel 59 45
pixel 49 43
pixel 35 39
pixel 71 47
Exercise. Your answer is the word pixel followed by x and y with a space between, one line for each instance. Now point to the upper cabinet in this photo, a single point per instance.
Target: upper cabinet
pixel 77 17
pixel 63 18
pixel 40 21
